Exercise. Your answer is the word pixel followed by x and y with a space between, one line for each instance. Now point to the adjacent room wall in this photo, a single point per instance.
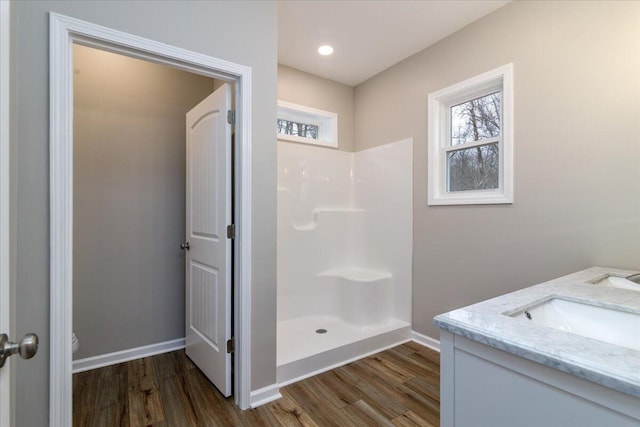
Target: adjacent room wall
pixel 129 199
pixel 306 89
pixel 242 32
pixel 577 127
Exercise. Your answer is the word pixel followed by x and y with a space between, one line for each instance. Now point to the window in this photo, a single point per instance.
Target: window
pixel 307 125
pixel 470 140
pixel 304 130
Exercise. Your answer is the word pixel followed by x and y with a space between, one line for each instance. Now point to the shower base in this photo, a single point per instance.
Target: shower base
pixel 303 352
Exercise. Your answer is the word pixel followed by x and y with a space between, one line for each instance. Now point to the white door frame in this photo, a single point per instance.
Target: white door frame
pixel 64 31
pixel 6 401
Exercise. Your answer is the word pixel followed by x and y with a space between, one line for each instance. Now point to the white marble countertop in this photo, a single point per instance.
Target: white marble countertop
pixel 610 365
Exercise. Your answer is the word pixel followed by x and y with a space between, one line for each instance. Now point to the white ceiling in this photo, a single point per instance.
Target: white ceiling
pixel 368 36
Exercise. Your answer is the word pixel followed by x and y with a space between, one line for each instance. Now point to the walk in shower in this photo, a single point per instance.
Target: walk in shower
pixel 344 254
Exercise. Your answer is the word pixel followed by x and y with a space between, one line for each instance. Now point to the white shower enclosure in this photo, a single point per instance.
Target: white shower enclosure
pixel 344 254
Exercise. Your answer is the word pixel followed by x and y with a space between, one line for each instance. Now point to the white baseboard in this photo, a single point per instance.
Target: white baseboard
pixel 426 341
pixel 265 395
pixel 108 359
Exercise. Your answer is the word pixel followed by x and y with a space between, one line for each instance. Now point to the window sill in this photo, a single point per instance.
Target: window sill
pixel 308 141
pixel 486 198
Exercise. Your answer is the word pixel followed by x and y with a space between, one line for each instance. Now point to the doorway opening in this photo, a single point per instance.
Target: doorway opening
pixel 152 195
pixel 129 204
pixel 65 33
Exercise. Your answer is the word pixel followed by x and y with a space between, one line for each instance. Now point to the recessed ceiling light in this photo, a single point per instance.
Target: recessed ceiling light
pixel 325 50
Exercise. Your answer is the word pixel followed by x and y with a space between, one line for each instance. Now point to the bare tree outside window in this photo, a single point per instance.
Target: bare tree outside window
pixel 304 130
pixel 478 167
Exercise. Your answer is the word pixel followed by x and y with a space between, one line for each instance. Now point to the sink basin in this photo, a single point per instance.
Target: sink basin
pixel 631 282
pixel 600 323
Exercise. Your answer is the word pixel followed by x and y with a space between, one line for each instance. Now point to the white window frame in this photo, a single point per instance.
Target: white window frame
pixel 439 137
pixel 326 121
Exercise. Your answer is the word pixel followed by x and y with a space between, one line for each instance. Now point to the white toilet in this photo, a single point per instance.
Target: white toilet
pixel 75 344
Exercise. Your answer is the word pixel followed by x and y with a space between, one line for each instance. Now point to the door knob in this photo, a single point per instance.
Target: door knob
pixel 27 347
pixel 185 246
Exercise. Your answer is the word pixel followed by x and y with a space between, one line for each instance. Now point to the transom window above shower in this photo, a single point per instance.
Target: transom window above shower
pixel 298 123
pixel 305 130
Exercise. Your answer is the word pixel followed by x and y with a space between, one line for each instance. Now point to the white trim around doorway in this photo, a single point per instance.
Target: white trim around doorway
pixel 6 392
pixel 64 31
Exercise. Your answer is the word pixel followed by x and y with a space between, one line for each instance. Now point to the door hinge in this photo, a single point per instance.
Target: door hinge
pixel 231 345
pixel 231 117
pixel 231 231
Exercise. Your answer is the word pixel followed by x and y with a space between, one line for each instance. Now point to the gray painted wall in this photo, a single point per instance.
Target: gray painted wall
pixel 306 89
pixel 577 150
pixel 129 199
pixel 242 32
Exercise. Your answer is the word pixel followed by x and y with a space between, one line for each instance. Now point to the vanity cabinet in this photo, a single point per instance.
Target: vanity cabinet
pixel 484 386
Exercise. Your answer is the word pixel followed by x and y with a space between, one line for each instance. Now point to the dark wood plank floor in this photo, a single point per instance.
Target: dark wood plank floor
pixel 397 387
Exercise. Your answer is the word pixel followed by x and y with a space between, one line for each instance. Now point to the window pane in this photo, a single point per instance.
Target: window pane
pixel 304 130
pixel 476 119
pixel 476 168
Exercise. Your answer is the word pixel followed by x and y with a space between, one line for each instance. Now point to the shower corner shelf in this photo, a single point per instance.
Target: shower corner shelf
pixel 356 274
pixel 323 211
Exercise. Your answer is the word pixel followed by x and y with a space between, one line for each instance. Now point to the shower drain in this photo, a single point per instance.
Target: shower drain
pixel 321 331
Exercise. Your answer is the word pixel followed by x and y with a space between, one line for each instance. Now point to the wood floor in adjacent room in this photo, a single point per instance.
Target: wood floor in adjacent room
pixel 397 387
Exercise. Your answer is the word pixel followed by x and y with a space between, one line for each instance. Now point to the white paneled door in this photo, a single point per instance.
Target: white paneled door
pixel 208 249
